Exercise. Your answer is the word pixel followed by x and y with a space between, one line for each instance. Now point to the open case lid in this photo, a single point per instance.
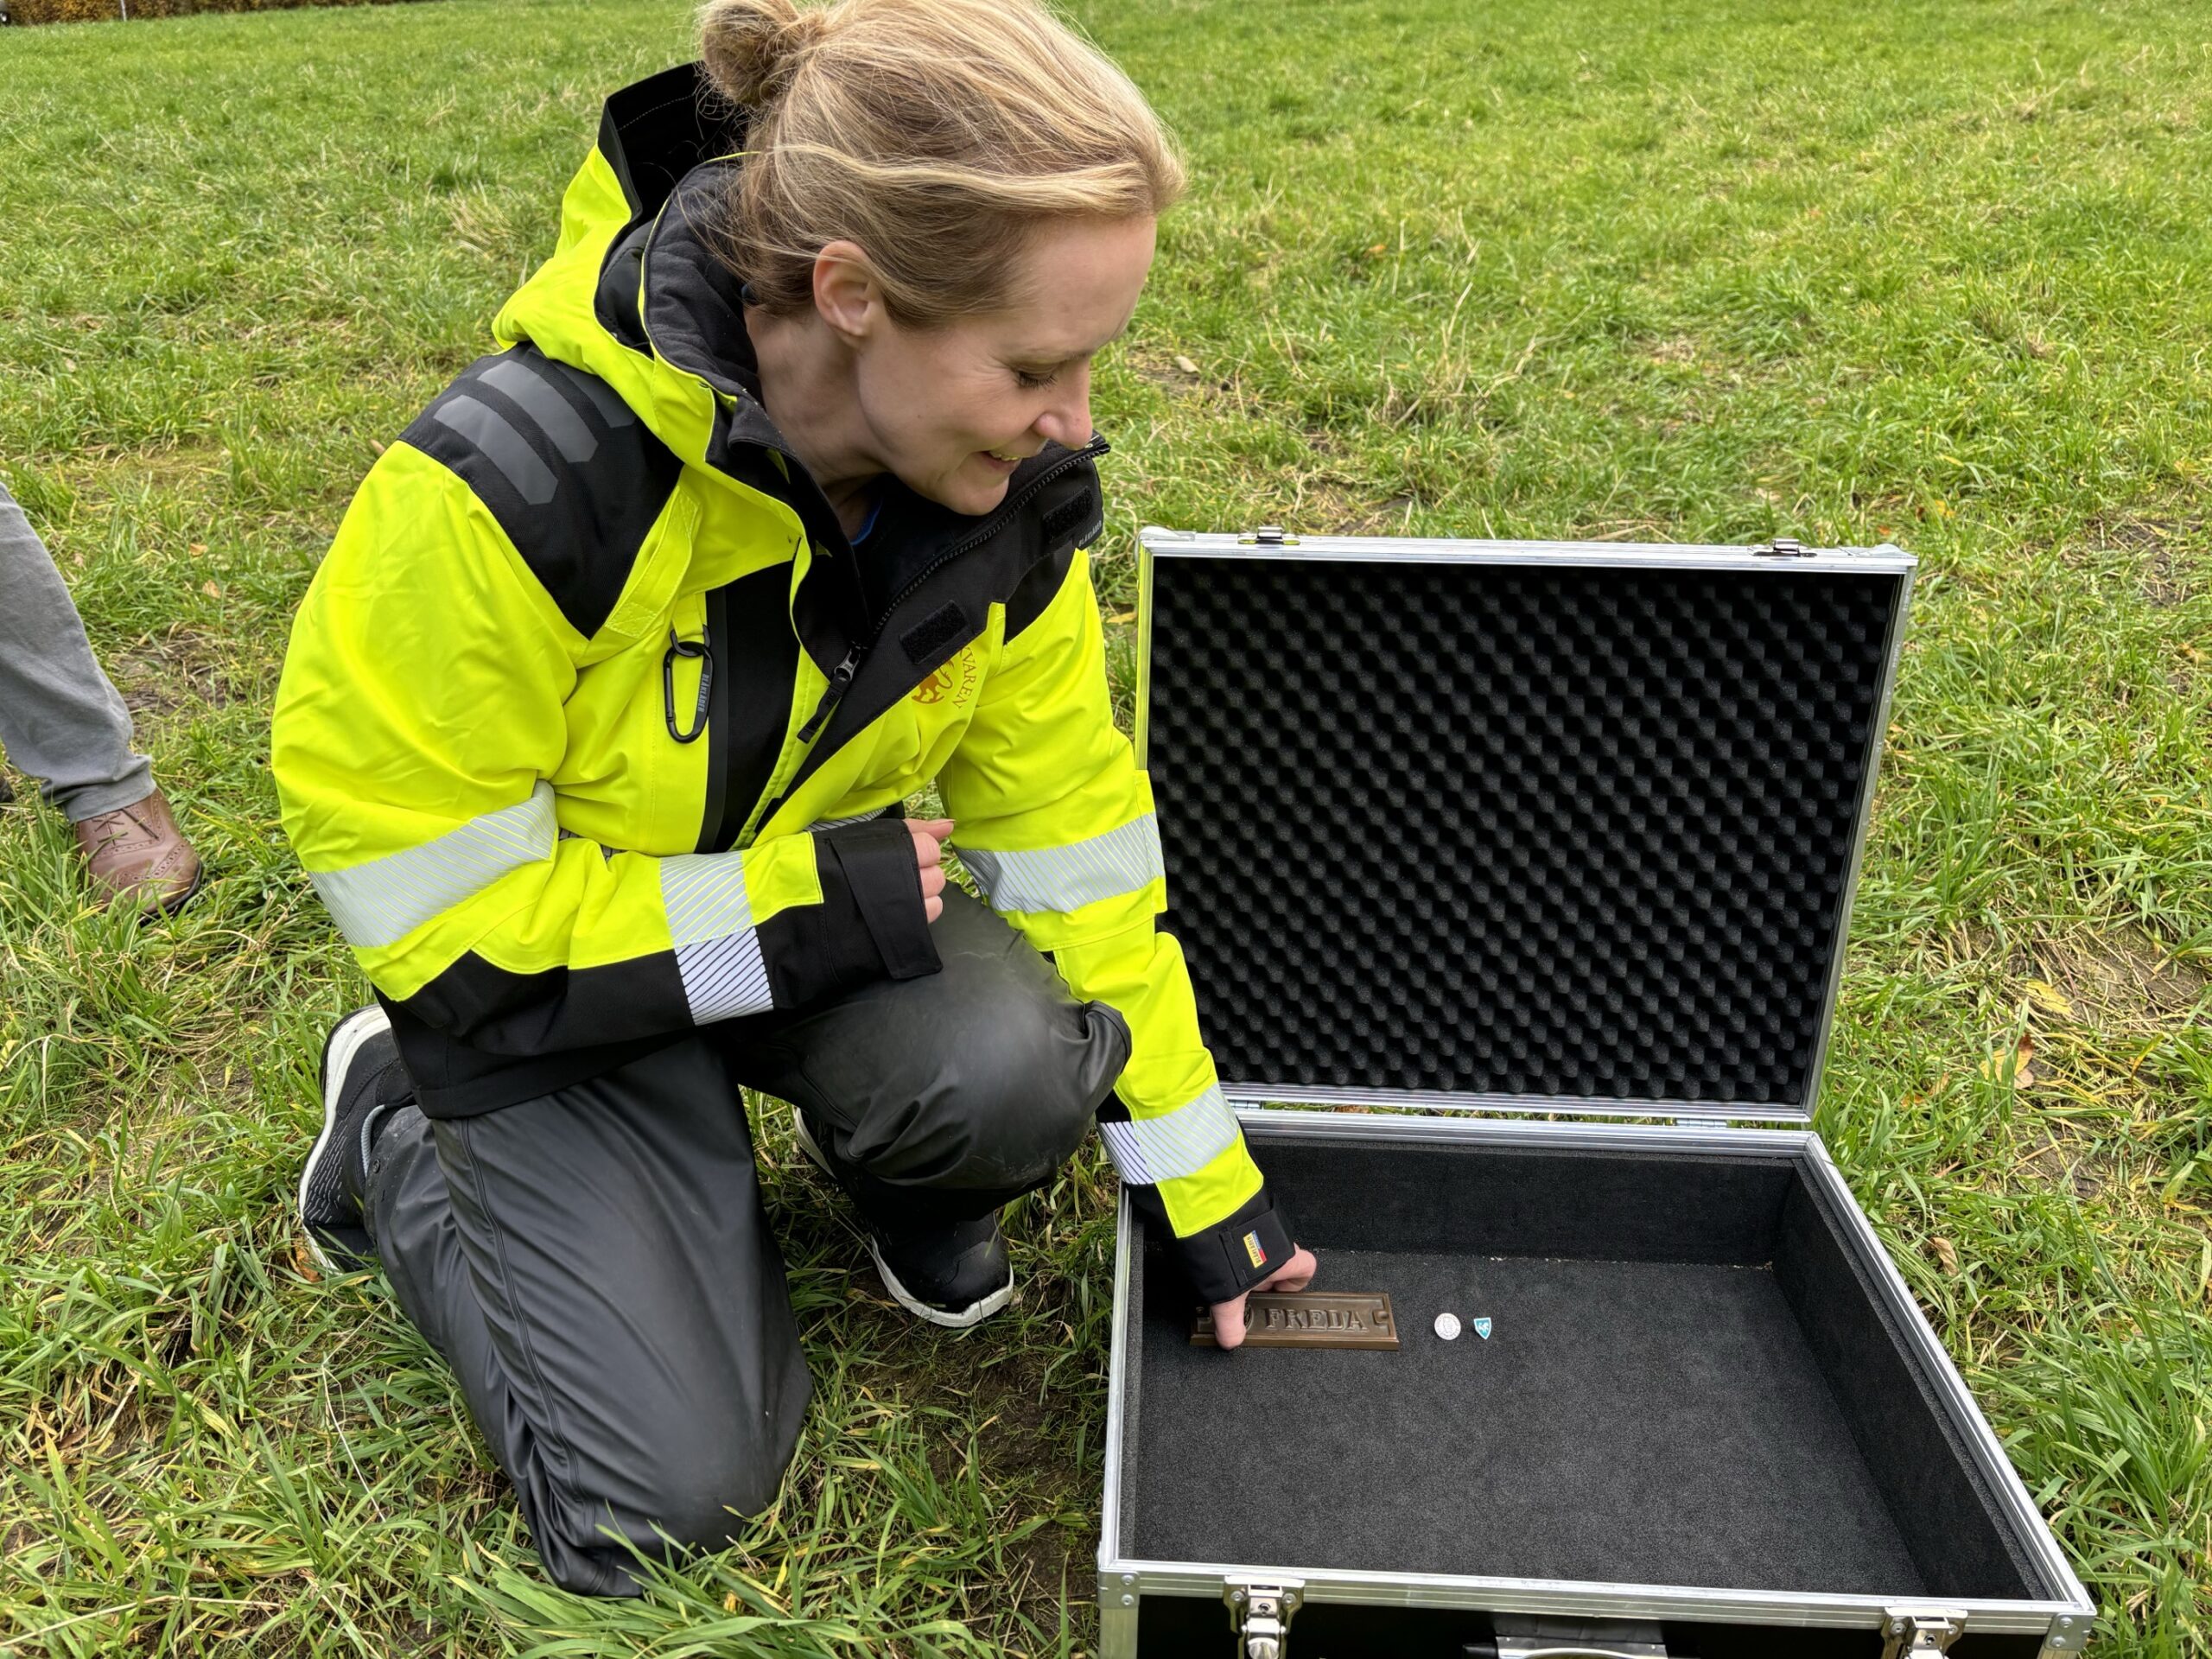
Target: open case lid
pixel 1545 827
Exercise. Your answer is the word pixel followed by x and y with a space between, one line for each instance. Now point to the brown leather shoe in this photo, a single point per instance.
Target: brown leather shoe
pixel 139 850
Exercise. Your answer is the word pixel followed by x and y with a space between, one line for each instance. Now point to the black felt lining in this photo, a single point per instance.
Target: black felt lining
pixel 1675 1397
pixel 1943 1505
pixel 1648 1409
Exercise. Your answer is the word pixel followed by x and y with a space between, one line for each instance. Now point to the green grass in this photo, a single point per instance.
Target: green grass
pixel 1664 269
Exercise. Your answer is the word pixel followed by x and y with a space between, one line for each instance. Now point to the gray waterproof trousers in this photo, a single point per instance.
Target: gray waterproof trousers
pixel 594 1264
pixel 60 719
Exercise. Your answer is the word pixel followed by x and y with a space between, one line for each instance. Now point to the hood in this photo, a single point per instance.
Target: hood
pixel 633 295
pixel 584 306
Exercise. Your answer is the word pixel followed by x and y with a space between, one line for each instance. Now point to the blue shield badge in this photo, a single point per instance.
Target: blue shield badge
pixel 1482 1327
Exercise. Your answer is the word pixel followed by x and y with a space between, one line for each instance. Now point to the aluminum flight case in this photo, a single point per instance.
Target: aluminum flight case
pixel 1568 830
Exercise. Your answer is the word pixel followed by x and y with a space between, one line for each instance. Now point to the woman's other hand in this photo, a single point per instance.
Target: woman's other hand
pixel 929 835
pixel 1228 1317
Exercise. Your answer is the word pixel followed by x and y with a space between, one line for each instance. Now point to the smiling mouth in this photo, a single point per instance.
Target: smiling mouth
pixel 1009 460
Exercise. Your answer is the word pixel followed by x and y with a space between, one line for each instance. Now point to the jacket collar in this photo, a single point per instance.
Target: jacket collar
pixel 694 317
pixel 635 295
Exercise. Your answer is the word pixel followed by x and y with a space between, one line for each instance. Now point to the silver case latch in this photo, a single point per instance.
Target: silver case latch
pixel 1261 1609
pixel 1911 1631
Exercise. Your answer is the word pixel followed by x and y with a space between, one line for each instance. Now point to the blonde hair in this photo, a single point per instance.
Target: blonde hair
pixel 936 134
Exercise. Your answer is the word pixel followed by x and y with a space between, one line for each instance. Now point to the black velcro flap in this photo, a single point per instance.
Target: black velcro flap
pixel 1075 511
pixel 877 859
pixel 934 631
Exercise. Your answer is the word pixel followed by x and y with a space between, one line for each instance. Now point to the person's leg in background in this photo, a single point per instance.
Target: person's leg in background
pixel 62 723
pixel 595 1266
pixel 934 1102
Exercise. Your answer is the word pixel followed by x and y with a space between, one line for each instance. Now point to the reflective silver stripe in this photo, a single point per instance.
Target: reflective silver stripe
pixel 508 450
pixel 604 399
pixel 724 977
pixel 1150 1150
pixel 552 412
pixel 383 900
pixel 839 823
pixel 1068 878
pixel 717 950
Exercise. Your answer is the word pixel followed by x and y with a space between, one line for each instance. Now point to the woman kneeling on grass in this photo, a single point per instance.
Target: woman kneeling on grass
pixel 770 512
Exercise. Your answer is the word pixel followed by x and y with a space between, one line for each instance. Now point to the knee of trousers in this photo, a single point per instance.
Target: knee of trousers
pixel 698 1491
pixel 1011 1100
pixel 708 1502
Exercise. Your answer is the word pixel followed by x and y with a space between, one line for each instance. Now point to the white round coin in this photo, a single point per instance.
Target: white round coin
pixel 1448 1326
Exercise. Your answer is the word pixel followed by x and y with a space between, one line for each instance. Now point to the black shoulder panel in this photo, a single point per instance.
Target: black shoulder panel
pixel 564 465
pixel 1038 590
pixel 1069 515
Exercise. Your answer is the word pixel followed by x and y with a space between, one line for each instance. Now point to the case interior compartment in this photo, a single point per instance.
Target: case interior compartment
pixel 1689 1382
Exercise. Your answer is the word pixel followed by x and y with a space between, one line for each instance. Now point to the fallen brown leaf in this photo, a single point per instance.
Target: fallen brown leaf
pixel 2018 1061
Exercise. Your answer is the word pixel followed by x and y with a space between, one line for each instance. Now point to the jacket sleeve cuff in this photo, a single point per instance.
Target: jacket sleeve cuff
pixel 1227 1259
pixel 871 923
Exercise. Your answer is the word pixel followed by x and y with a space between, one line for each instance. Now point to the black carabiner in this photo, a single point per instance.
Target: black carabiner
pixel 698 648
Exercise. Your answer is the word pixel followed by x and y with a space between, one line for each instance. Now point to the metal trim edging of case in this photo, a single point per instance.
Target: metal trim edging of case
pixel 2063 1623
pixel 1154 542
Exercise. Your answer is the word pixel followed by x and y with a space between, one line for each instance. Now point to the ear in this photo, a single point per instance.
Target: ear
pixel 846 293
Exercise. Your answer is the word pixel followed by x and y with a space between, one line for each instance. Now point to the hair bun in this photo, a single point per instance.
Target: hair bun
pixel 753 47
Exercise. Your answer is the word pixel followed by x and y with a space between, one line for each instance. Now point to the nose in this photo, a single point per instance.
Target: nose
pixel 1066 420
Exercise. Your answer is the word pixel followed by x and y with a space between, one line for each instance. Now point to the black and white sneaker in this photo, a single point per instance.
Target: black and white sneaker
pixel 954 1274
pixel 356 1057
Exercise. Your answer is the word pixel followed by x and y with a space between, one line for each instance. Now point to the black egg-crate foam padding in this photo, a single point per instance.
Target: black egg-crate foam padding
pixel 1513 830
pixel 1686 1383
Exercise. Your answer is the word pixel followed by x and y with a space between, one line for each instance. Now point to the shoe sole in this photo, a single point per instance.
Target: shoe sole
pixel 975 1314
pixel 171 907
pixel 338 1051
pixel 806 1145
pixel 951 1319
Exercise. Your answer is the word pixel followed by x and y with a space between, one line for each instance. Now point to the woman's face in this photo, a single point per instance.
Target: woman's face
pixel 951 410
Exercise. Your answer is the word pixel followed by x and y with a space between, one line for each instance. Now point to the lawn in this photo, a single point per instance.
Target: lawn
pixel 1932 273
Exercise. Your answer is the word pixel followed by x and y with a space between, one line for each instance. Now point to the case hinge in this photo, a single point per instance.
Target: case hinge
pixel 1908 1630
pixel 1267 535
pixel 1261 1609
pixel 1783 547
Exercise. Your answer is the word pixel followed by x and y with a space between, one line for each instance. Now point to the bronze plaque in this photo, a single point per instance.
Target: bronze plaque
pixel 1310 1319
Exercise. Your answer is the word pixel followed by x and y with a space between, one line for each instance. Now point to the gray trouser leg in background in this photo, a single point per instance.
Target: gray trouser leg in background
pixel 595 1266
pixel 60 719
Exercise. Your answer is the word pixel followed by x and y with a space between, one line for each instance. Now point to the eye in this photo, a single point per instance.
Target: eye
pixel 1029 382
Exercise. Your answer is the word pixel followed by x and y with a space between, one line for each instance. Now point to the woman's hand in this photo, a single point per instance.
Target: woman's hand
pixel 929 835
pixel 1228 1317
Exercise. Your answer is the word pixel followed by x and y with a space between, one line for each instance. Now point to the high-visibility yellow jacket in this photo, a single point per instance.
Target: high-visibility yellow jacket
pixel 580 707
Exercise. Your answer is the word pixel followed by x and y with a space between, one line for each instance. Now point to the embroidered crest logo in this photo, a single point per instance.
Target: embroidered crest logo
pixel 955 682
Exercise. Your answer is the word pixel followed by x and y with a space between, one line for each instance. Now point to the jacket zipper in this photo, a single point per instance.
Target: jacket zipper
pixel 842 677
